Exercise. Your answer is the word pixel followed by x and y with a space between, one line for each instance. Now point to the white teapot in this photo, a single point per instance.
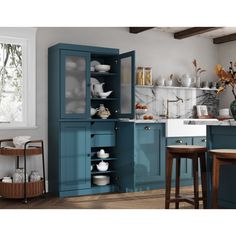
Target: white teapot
pixel 103 112
pixel 102 166
pixel 97 89
pixel 185 80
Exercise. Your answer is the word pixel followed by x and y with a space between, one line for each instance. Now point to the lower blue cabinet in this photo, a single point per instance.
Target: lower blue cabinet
pixel 74 156
pixel 141 156
pixel 186 164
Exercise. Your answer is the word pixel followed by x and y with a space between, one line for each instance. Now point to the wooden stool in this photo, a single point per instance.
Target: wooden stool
pixel 220 157
pixel 192 152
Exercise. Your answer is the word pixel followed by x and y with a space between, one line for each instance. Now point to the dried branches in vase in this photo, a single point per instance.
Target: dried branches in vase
pixel 198 72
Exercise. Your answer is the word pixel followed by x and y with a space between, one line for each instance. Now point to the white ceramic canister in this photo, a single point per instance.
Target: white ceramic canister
pixel 19 177
pixel 34 176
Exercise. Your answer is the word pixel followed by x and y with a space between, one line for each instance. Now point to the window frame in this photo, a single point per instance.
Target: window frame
pixel 27 38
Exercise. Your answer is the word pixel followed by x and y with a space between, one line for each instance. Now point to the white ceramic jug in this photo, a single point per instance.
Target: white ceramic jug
pixel 97 89
pixel 185 80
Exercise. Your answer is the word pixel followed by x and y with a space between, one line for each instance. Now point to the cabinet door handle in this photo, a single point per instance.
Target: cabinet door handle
pixel 147 128
pixel 179 141
pixel 117 129
pixel 204 140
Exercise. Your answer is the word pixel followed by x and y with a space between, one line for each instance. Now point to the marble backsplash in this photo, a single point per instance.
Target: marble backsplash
pixel 156 99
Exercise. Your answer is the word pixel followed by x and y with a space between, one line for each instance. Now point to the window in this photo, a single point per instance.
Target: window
pixel 17 78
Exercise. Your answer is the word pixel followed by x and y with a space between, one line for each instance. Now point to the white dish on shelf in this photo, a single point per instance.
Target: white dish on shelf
pixel 102 68
pixel 101 180
pixel 104 155
pixel 94 63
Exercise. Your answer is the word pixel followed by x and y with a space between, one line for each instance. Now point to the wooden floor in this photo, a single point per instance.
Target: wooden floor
pixel 153 199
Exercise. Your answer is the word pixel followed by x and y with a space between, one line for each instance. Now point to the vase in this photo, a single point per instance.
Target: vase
pixel 198 82
pixel 233 109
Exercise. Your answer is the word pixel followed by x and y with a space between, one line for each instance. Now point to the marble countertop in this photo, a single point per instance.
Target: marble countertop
pixel 144 121
pixel 230 122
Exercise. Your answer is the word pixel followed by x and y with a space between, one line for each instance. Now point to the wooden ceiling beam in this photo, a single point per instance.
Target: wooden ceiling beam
pixel 136 30
pixel 224 39
pixel 193 31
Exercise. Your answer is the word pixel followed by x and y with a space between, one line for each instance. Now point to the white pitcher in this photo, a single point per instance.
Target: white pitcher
pixel 97 89
pixel 185 80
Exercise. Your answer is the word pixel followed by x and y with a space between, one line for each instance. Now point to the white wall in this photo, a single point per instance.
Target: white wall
pixel 157 49
pixel 227 53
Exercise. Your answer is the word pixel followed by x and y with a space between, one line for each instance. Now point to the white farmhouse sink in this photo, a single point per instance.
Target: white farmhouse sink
pixel 177 128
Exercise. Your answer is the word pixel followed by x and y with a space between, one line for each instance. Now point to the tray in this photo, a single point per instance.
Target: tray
pixel 20 151
pixel 16 190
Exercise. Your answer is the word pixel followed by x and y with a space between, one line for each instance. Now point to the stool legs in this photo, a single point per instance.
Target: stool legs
pixel 215 181
pixel 195 182
pixel 169 162
pixel 203 180
pixel 177 182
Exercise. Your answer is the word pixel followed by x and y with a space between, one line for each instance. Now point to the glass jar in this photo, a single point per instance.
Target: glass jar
pixel 34 176
pixel 140 76
pixel 148 75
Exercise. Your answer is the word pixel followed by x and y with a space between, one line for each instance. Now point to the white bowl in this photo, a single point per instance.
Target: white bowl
pixel 101 179
pixel 104 94
pixel 141 111
pixel 224 112
pixel 102 68
pixel 19 141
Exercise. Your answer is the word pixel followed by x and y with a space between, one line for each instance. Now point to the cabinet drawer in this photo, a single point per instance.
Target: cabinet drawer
pixel 179 141
pixel 199 141
pixel 146 133
pixel 102 128
pixel 102 140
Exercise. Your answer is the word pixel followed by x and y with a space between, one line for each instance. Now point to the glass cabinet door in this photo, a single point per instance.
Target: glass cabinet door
pixel 75 69
pixel 127 76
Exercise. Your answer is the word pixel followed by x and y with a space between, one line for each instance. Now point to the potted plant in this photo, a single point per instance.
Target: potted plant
pixel 198 72
pixel 227 78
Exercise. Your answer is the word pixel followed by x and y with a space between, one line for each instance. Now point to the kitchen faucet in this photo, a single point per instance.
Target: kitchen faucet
pixel 168 101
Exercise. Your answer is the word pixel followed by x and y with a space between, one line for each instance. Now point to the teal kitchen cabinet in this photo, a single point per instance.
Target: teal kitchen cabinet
pixel 199 141
pixel 141 156
pixel 74 156
pixel 73 134
pixel 72 84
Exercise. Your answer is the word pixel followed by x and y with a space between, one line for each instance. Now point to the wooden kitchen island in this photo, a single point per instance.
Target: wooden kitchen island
pixel 221 135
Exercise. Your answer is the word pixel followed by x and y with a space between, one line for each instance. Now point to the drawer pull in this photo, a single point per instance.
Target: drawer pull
pixel 204 140
pixel 147 128
pixel 179 141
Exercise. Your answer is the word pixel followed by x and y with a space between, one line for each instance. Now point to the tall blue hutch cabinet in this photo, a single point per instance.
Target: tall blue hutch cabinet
pixel 74 136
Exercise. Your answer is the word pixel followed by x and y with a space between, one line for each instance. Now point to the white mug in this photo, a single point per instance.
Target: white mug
pixel 161 81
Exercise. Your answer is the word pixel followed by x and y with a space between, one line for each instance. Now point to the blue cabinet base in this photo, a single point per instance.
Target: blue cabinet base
pixel 89 191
